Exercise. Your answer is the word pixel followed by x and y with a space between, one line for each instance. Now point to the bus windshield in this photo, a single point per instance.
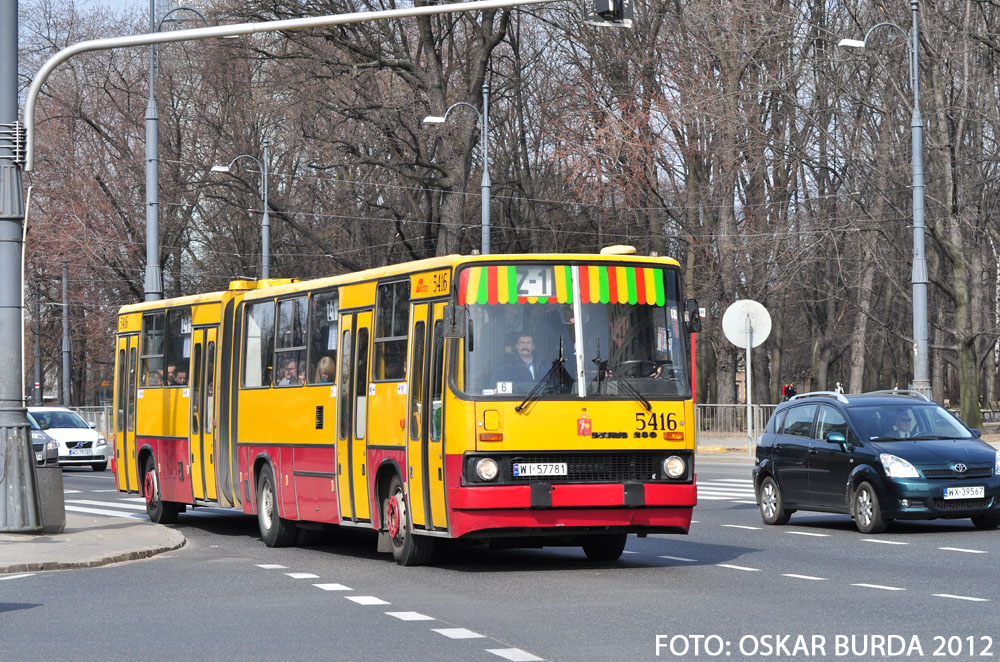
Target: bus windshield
pixel 566 331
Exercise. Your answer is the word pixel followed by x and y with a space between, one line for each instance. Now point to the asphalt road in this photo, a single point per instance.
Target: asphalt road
pixel 733 588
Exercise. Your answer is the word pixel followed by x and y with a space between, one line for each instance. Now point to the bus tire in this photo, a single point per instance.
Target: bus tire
pixel 160 511
pixel 605 547
pixel 275 530
pixel 408 549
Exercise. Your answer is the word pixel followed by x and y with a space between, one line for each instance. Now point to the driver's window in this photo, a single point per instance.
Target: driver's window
pixel 830 420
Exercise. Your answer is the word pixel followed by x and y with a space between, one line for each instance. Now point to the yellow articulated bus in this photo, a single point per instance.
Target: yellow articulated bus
pixel 517 399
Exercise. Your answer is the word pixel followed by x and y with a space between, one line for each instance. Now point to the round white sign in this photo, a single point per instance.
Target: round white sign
pixel 746 316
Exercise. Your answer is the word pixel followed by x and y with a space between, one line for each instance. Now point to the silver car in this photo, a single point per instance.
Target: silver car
pixel 79 444
pixel 45 447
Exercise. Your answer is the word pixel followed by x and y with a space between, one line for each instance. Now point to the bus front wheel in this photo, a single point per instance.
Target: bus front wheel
pixel 160 511
pixel 605 546
pixel 407 549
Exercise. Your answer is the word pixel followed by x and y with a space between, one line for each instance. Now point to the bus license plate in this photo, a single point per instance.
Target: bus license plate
pixel 977 492
pixel 79 451
pixel 539 469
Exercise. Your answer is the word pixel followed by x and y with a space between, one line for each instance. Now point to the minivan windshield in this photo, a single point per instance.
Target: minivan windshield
pixel 907 422
pixel 624 338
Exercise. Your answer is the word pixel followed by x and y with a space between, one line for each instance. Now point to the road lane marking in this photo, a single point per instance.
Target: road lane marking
pixel 367 600
pixel 108 504
pixel 961 549
pixel 628 552
pixel 270 566
pixel 737 567
pixel 410 616
pixel 21 576
pixel 514 654
pixel 808 533
pixel 103 490
pixel 884 542
pixel 302 575
pixel 743 526
pixel 458 633
pixel 749 503
pixel 959 597
pixel 809 577
pixel 679 558
pixel 109 513
pixel 333 587
pixel 880 587
pixel 71 491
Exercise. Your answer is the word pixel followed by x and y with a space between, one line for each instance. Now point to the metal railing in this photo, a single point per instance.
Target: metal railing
pixel 725 426
pixel 100 416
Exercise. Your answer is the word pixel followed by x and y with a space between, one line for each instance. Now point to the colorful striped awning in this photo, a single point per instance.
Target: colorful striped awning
pixel 598 284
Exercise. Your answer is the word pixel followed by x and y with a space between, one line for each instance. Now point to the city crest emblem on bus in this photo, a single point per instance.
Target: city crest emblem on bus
pixel 583 425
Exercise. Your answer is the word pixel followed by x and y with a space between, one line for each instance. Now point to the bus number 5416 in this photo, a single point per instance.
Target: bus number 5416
pixel 654 421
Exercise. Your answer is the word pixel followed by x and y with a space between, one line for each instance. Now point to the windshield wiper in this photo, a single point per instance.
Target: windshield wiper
pixel 603 374
pixel 533 393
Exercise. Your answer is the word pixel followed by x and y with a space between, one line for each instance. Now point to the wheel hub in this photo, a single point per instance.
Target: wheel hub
pixel 395 516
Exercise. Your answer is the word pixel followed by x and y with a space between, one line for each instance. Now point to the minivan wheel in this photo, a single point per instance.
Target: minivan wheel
pixel 866 510
pixel 772 506
pixel 986 522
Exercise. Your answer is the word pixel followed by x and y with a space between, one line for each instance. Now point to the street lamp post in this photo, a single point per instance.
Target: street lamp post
pixel 921 373
pixel 484 119
pixel 153 285
pixel 265 226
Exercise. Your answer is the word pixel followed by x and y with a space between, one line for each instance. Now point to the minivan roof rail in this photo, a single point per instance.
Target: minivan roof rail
pixel 812 394
pixel 900 391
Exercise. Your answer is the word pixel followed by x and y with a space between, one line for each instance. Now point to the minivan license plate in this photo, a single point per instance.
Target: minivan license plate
pixel 539 469
pixel 977 492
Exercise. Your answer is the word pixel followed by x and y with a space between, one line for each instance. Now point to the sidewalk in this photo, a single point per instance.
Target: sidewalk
pixel 87 542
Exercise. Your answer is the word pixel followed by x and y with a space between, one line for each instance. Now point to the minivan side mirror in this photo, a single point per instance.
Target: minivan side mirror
pixel 837 438
pixel 976 432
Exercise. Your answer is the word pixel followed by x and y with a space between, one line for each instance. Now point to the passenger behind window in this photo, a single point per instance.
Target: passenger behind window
pixel 325 371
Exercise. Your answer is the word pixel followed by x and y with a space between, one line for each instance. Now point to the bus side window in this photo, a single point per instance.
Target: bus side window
pixel 392 310
pixel 323 343
pixel 151 360
pixel 259 347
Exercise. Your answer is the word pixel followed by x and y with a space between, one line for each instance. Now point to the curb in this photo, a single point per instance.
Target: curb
pixel 94 563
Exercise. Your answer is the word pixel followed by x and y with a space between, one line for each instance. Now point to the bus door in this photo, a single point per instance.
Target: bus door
pixel 202 422
pixel 352 416
pixel 425 450
pixel 126 472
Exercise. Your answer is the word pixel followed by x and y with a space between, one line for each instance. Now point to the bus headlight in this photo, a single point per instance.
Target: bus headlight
pixel 487 468
pixel 674 466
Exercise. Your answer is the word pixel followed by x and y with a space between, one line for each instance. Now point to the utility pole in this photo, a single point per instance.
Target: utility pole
pixel 66 392
pixel 36 393
pixel 20 511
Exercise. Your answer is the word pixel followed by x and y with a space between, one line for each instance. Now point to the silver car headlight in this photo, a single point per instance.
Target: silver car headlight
pixel 897 467
pixel 53 445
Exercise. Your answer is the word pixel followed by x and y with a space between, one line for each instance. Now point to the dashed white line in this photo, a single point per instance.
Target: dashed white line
pixel 743 526
pixel 458 633
pixel 410 616
pixel 961 549
pixel 959 597
pixel 808 533
pixel 749 503
pixel 809 577
pixel 21 576
pixel 270 566
pixel 333 587
pixel 367 600
pixel 514 654
pixel 737 567
pixel 302 575
pixel 106 504
pixel 628 552
pixel 880 587
pixel 884 542
pixel 101 511
pixel 679 558
pixel 71 491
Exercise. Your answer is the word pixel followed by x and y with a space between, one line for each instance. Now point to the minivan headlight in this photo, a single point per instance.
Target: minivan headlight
pixel 996 465
pixel 897 467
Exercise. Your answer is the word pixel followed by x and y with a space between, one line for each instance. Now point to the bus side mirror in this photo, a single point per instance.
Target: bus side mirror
pixel 456 320
pixel 692 318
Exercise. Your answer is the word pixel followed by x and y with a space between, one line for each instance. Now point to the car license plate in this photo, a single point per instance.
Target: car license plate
pixel 79 451
pixel 977 492
pixel 539 469
pixel 40 456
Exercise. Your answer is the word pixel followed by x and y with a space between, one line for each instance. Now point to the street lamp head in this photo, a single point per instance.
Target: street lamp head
pixel 433 119
pixel 220 168
pixel 851 43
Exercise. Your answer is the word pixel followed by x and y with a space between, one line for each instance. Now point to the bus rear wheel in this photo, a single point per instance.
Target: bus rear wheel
pixel 160 511
pixel 275 530
pixel 407 549
pixel 605 547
